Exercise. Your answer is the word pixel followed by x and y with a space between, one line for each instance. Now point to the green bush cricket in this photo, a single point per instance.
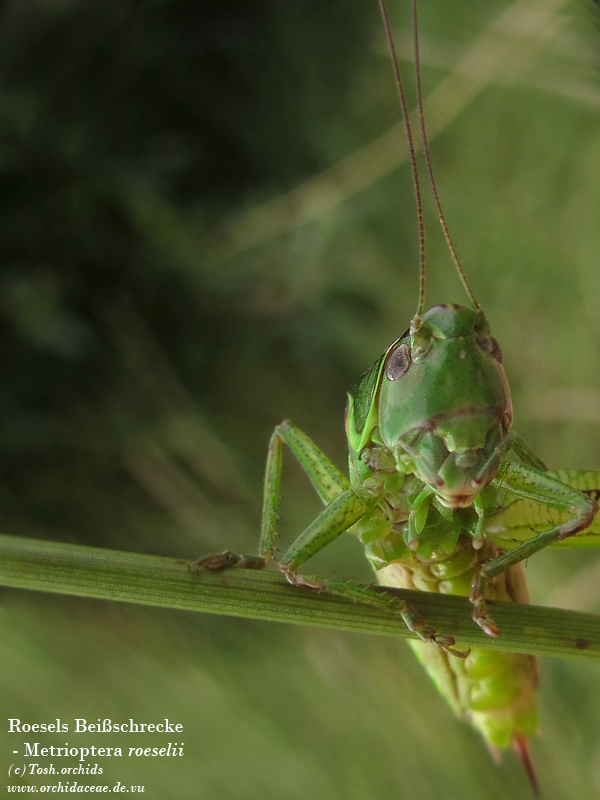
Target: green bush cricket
pixel 442 494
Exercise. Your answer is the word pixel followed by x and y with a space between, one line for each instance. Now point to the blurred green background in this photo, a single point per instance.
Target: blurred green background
pixel 165 301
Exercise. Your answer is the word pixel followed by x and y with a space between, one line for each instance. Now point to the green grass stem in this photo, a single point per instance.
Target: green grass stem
pixel 265 595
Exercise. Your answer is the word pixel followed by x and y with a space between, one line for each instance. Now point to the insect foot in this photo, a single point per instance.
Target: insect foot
pixel 226 559
pixel 303 581
pixel 480 613
pixel 416 624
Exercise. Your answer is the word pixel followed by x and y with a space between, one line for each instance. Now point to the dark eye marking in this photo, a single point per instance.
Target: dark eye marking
pixel 398 363
pixel 496 352
pixel 491 346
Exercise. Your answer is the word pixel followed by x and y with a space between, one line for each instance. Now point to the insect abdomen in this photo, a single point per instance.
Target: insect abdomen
pixel 493 690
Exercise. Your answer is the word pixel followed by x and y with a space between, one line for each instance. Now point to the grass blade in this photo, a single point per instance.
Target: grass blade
pixel 169 583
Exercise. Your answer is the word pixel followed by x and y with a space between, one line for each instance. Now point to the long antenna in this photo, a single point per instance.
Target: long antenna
pixel 436 197
pixel 463 278
pixel 413 159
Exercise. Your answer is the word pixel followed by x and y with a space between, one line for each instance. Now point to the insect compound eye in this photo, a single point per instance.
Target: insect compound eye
pixel 398 363
pixel 491 346
pixel 496 351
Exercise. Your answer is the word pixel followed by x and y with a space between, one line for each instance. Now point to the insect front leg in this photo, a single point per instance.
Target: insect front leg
pixel 343 507
pixel 542 488
pixel 327 480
